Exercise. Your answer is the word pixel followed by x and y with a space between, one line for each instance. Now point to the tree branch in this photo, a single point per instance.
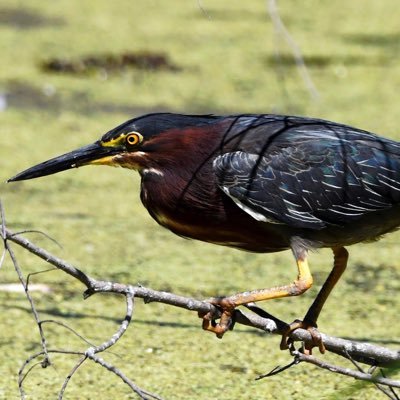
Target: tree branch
pixel 300 357
pixel 355 351
pixel 360 351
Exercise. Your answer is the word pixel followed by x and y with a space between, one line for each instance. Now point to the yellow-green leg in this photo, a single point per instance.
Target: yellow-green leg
pixel 228 304
pixel 309 322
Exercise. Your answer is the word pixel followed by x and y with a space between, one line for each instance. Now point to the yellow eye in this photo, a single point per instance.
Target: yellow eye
pixel 132 139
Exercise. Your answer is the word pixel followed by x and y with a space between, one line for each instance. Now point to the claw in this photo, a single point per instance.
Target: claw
pixel 316 339
pixel 226 321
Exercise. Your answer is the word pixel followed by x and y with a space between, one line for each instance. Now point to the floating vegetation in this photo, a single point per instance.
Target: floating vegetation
pixel 144 60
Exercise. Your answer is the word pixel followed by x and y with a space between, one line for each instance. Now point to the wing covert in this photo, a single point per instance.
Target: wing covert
pixel 311 183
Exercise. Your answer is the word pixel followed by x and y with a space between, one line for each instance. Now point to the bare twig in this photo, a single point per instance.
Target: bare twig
pixel 52 321
pixel 346 371
pixel 204 11
pixel 360 351
pixel 386 391
pixel 48 257
pixel 277 370
pixel 28 277
pixel 22 376
pixel 392 394
pixel 46 362
pixel 90 353
pixel 40 233
pixel 3 256
pixel 69 376
pixel 281 29
pixel 3 234
pixel 140 392
pixel 356 351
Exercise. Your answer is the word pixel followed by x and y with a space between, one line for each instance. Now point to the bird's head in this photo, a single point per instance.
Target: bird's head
pixel 135 144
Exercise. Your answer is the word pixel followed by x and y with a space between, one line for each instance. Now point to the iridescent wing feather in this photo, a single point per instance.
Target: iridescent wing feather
pixel 310 174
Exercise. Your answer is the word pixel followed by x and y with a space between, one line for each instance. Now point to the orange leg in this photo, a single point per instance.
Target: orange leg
pixel 309 322
pixel 228 304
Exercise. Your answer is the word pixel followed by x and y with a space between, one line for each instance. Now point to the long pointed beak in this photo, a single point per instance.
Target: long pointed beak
pixel 91 154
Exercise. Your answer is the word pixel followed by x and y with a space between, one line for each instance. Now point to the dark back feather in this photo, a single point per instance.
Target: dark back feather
pixel 307 173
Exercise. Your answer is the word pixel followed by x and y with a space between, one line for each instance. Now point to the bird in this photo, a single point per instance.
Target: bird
pixel 260 183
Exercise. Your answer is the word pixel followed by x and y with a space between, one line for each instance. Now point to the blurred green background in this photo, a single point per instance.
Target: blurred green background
pixel 71 70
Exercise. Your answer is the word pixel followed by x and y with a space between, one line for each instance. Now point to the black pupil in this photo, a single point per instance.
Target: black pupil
pixel 132 139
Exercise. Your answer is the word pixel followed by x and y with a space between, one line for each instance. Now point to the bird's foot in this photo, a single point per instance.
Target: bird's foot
pixel 316 339
pixel 226 319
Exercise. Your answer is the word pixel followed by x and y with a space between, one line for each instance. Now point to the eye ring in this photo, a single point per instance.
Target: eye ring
pixel 133 138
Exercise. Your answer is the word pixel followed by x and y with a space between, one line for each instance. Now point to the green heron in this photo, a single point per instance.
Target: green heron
pixel 259 183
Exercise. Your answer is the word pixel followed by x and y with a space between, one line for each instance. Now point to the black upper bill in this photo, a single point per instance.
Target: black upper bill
pixel 73 159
